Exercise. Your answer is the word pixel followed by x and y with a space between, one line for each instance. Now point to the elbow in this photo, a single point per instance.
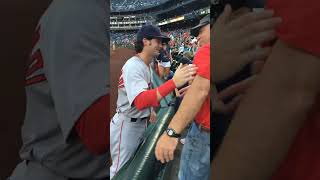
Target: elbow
pixel 138 104
pixel 139 107
pixel 204 90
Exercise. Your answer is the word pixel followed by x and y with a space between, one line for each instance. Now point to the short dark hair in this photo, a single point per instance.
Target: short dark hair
pixel 138 46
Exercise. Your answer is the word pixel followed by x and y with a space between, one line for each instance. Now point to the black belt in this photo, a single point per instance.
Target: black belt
pixel 140 119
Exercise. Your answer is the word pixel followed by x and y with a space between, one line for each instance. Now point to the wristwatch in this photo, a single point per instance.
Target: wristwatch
pixel 172 133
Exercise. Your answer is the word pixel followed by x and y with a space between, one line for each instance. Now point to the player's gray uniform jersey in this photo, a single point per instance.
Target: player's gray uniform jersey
pixel 125 135
pixel 135 78
pixel 68 72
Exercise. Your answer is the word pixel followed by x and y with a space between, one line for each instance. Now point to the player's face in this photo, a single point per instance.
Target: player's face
pixel 204 35
pixel 155 46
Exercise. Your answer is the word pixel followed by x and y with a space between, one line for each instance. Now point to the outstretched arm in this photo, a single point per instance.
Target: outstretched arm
pixel 262 131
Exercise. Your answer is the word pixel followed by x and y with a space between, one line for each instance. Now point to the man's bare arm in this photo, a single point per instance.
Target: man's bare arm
pixel 269 116
pixel 191 103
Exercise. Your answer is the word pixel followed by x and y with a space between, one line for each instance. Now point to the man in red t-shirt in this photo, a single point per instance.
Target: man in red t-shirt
pixel 279 139
pixel 195 105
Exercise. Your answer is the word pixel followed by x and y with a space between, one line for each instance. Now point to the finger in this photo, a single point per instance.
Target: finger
pixel 225 15
pixel 190 67
pixel 257 39
pixel 156 153
pixel 184 89
pixel 259 26
pixel 166 156
pixel 259 54
pixel 257 66
pixel 171 155
pixel 191 71
pixel 237 88
pixel 240 12
pixel 189 78
pixel 250 18
pixel 160 156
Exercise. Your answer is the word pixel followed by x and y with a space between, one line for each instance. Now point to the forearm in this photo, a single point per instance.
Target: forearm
pixel 151 98
pixel 269 116
pixel 191 104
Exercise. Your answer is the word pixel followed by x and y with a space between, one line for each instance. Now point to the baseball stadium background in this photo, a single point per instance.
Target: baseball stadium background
pixel 175 18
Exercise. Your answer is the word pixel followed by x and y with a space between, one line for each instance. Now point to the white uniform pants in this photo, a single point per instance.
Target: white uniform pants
pixel 125 137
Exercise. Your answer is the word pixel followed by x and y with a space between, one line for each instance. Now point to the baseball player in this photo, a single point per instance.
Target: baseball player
pixel 135 96
pixel 65 131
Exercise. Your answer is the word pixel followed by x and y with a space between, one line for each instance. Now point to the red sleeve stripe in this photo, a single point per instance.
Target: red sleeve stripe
pixel 93 127
pixel 37 58
pixel 35 79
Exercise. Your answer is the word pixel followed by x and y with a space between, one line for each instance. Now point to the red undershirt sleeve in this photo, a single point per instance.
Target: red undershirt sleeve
pixel 149 98
pixel 93 128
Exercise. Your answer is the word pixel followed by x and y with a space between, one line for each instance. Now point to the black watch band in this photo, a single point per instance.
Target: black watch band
pixel 172 133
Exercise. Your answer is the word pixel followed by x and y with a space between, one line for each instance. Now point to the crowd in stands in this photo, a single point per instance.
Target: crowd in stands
pixel 125 39
pixel 130 5
pixel 181 40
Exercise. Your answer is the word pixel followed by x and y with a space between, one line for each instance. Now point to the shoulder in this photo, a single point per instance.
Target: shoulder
pixel 75 13
pixel 133 64
pixel 203 52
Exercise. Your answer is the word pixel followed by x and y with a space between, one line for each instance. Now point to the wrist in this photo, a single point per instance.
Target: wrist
pixel 170 132
pixel 166 88
pixel 175 81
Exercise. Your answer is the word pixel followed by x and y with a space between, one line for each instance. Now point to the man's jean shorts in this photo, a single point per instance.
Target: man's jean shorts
pixel 195 156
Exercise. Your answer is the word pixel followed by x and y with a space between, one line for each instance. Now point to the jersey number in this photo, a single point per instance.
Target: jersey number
pixel 121 82
pixel 35 63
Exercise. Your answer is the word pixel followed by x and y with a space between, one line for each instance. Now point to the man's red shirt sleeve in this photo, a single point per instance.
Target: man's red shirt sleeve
pixel 300 29
pixel 202 61
pixel 300 25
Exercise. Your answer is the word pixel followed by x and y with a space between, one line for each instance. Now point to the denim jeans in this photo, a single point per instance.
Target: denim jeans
pixel 195 156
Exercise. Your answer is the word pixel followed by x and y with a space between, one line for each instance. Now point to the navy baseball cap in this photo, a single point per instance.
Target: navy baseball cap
pixel 204 21
pixel 151 32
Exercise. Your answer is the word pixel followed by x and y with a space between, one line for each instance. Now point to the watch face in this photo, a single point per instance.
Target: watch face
pixel 170 132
